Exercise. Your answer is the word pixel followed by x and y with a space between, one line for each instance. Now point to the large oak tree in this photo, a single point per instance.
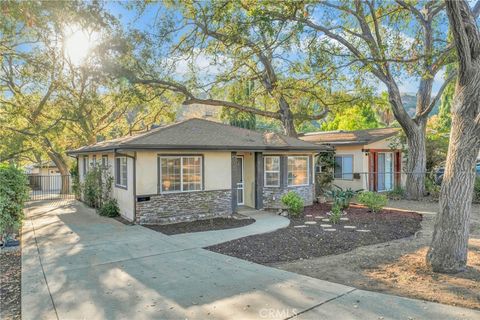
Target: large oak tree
pixel 449 249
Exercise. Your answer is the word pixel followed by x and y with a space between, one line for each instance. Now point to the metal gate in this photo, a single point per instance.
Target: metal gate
pixel 50 187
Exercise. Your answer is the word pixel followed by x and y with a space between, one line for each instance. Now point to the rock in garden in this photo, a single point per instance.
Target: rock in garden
pixel 326 225
pixel 310 222
pixel 308 216
pixel 344 219
pixel 300 226
pixel 330 230
pixel 318 217
pixel 362 230
pixel 350 227
pixel 326 220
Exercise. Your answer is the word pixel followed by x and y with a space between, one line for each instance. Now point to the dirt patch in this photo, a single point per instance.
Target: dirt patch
pixel 10 283
pixel 201 225
pixel 313 240
pixel 398 267
pixel 410 276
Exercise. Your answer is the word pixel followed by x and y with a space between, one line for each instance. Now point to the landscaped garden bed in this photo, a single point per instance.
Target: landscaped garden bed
pixel 202 225
pixel 312 235
pixel 10 283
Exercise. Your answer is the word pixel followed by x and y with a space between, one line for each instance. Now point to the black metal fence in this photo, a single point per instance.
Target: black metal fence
pixel 50 187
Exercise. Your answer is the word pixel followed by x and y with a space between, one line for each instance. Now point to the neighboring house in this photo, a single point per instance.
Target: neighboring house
pixel 198 168
pixel 364 159
pixel 44 177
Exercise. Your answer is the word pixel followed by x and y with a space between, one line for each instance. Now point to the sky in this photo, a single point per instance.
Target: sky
pixel 129 19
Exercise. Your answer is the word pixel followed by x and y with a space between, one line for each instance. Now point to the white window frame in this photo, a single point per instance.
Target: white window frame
pixel 105 161
pixel 265 171
pixel 118 173
pixel 343 174
pixel 94 160
pixel 181 157
pixel 85 166
pixel 308 171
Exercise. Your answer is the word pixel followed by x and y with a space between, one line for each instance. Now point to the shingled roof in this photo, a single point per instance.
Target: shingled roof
pixel 200 134
pixel 358 137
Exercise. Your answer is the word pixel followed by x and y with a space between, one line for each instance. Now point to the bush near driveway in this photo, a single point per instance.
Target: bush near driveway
pixel 13 194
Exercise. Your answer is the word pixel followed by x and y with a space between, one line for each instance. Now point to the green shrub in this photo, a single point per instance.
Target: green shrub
pixel 335 214
pixel 476 190
pixel 109 208
pixel 431 187
pixel 293 202
pixel 13 194
pixel 397 193
pixel 374 201
pixel 97 186
pixel 92 187
pixel 342 197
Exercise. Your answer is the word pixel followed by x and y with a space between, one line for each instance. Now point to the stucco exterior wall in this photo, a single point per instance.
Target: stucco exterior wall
pixel 360 163
pixel 217 170
pixel 123 196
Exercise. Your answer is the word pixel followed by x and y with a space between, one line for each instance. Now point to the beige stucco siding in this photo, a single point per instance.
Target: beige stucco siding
pixel 216 175
pixel 124 197
pixel 360 163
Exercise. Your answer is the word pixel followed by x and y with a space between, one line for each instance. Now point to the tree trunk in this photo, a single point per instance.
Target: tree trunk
pixel 62 166
pixel 449 249
pixel 416 162
pixel 287 118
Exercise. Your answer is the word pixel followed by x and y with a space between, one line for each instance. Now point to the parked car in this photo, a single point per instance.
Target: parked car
pixel 441 171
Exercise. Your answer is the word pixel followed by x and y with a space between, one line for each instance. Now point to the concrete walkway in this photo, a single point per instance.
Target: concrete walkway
pixel 77 265
pixel 264 222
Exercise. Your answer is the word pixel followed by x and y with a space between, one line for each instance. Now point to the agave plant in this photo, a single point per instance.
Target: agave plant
pixel 342 197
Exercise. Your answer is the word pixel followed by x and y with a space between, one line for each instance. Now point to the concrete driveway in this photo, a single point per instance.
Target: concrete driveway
pixel 78 265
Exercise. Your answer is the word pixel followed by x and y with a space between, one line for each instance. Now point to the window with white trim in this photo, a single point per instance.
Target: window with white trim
pixel 180 174
pixel 105 161
pixel 121 171
pixel 343 167
pixel 94 161
pixel 298 170
pixel 85 165
pixel 271 169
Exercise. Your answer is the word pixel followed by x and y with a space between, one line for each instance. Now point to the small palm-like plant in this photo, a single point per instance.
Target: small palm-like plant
pixel 342 197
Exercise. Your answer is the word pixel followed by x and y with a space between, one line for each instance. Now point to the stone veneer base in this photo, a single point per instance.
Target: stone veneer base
pixel 184 206
pixel 272 196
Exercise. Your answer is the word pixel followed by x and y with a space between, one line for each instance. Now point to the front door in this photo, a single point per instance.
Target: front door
pixel 240 183
pixel 385 171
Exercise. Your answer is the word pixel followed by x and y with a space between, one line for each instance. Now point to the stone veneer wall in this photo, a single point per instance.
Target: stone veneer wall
pixel 184 206
pixel 272 196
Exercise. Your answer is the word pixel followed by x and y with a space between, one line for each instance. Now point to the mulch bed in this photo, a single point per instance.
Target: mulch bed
pixel 201 225
pixel 10 283
pixel 292 243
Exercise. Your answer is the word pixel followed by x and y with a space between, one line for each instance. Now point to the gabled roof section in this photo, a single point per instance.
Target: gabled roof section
pixel 200 134
pixel 358 137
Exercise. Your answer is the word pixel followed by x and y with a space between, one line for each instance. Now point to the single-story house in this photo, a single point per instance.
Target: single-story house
pixel 198 168
pixel 364 159
pixel 45 177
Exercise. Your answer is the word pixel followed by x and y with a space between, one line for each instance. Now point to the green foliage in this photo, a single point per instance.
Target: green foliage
pixel 97 186
pixel 335 214
pixel 342 197
pixel 431 187
pixel 293 202
pixel 13 194
pixel 324 178
pixel 476 190
pixel 373 200
pixel 109 208
pixel 353 118
pixel 397 193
